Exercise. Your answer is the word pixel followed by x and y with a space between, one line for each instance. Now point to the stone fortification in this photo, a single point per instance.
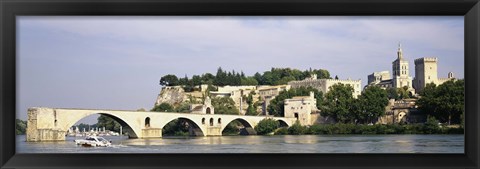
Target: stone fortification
pixel 425 59
pixel 324 84
pixel 426 71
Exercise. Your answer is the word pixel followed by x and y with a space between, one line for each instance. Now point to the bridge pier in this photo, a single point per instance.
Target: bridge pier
pixel 44 129
pixel 151 133
pixel 214 131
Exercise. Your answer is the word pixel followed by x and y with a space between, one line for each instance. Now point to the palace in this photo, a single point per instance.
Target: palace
pixel 400 71
pixel 323 85
pixel 425 72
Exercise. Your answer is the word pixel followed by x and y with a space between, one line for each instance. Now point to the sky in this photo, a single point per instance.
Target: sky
pixel 116 62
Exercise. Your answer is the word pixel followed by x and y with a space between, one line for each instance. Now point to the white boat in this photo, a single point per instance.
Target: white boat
pixel 93 141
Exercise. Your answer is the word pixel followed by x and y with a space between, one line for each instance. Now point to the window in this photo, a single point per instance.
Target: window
pixel 203 120
pixel 147 122
pixel 211 121
pixel 219 121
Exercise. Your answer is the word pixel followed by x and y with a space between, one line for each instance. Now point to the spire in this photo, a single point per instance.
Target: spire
pixel 399 52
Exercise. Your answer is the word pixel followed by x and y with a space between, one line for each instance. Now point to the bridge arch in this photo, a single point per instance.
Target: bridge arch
pixel 248 126
pixel 282 123
pixel 127 126
pixel 194 128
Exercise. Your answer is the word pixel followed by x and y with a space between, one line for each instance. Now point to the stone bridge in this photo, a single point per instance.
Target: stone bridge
pixel 52 124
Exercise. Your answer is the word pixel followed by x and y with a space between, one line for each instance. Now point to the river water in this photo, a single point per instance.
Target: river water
pixel 260 144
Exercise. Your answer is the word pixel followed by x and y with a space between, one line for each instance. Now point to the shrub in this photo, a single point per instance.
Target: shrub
pixel 297 129
pixel 266 126
pixel 431 126
pixel 281 131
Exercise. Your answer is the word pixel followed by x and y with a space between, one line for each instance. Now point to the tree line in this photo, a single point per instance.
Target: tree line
pixel 445 102
pixel 275 76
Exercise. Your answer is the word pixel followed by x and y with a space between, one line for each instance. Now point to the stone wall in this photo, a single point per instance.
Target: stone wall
pixel 324 84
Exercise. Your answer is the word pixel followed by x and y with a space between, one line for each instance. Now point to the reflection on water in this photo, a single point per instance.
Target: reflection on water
pixel 260 144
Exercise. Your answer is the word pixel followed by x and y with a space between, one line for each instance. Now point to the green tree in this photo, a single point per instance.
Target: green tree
pixel 220 77
pixel 338 103
pixel 208 78
pixel 451 101
pixel 403 93
pixel 445 102
pixel 266 126
pixel 431 126
pixel 249 81
pixel 169 80
pixel 108 123
pixel 183 108
pixel 20 127
pixel 164 107
pixel 322 74
pixel 392 93
pixel 297 129
pixel 196 80
pixel 224 105
pixel 370 104
pixel 176 127
pixel 252 107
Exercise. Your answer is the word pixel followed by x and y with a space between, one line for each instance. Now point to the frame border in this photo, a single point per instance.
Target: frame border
pixel 470 9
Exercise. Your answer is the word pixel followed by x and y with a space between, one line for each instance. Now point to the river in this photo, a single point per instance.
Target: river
pixel 260 144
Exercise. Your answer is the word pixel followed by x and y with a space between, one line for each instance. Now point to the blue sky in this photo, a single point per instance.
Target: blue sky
pixel 116 62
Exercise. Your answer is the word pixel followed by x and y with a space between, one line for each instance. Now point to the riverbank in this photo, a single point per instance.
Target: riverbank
pixel 341 128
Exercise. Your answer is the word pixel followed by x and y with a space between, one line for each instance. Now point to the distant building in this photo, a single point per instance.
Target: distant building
pixel 400 75
pixel 381 79
pixel 236 93
pixel 377 77
pixel 402 111
pixel 205 108
pixel 301 107
pixel 268 93
pixel 324 84
pixel 426 72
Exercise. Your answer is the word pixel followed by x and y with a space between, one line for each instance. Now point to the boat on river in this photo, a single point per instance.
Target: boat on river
pixel 93 141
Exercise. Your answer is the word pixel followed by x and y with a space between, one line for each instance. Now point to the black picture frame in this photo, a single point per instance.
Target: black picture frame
pixel 9 9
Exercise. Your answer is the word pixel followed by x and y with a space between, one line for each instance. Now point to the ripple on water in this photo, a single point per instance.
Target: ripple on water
pixel 262 144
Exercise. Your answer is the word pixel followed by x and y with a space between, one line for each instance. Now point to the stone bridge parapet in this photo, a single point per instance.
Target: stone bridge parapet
pixel 52 124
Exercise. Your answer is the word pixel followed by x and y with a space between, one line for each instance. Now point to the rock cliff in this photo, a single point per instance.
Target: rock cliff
pixel 171 95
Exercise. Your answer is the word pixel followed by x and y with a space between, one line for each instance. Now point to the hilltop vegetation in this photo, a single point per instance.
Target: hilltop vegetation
pixel 276 76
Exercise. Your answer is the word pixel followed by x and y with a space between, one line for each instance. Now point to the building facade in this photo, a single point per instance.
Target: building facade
pixel 324 84
pixel 268 93
pixel 400 71
pixel 301 107
pixel 377 77
pixel 426 71
pixel 400 75
pixel 205 108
